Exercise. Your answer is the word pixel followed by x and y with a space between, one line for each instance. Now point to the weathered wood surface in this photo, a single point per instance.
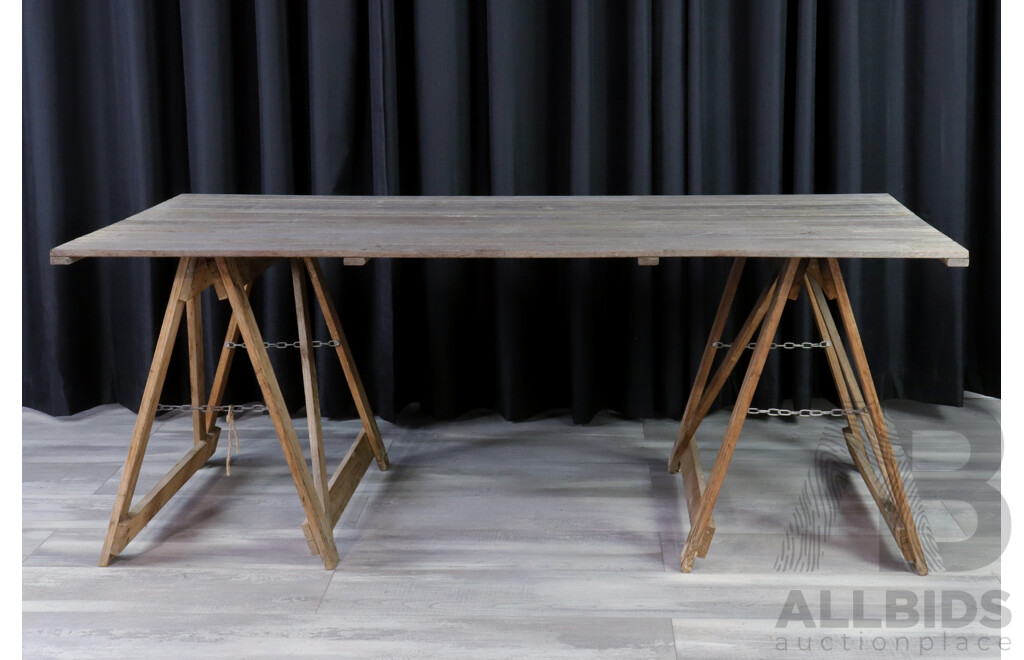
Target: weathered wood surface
pixel 310 388
pixel 313 506
pixel 116 532
pixel 845 226
pixel 779 297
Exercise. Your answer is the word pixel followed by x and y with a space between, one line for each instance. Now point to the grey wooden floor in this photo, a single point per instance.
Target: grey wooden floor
pixel 489 539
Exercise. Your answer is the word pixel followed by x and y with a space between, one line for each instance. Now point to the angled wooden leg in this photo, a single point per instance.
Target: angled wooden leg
pixel 739 344
pixel 819 308
pixel 147 410
pixel 355 384
pixel 844 375
pixel 698 527
pixel 227 356
pixel 694 487
pixel 685 457
pixel 874 407
pixel 706 360
pixel 798 279
pixel 323 535
pixel 853 433
pixel 197 377
pixel 309 384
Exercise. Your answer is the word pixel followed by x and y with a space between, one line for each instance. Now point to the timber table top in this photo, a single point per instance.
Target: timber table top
pixel 841 226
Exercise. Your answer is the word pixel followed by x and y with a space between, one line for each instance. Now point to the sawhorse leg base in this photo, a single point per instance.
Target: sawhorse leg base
pixel 823 281
pixel 231 278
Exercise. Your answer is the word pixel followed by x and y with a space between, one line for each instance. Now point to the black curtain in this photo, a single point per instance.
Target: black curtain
pixel 129 103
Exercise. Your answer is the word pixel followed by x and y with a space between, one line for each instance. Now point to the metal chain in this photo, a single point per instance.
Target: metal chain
pixel 316 343
pixel 806 412
pixel 256 407
pixel 789 345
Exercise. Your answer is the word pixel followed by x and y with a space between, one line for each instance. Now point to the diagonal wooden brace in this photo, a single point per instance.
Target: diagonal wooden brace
pixel 313 506
pixel 780 292
pixel 348 365
pixel 847 386
pixel 701 400
pixel 343 484
pixel 823 282
pixel 911 545
pixel 695 487
pixel 310 387
pixel 127 521
pixel 851 399
pixel 706 360
pixel 368 444
pixel 323 501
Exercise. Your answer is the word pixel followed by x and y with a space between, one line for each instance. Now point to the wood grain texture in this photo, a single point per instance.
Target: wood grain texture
pixel 196 365
pixel 275 403
pixel 694 415
pixel 204 275
pixel 847 387
pixel 347 476
pixel 848 226
pixel 147 411
pixel 698 528
pixel 348 364
pixel 343 484
pixel 874 407
pixel 694 485
pixel 227 356
pixel 706 360
pixel 161 493
pixel 310 388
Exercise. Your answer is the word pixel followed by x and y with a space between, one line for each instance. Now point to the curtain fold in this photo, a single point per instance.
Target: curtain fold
pixel 129 103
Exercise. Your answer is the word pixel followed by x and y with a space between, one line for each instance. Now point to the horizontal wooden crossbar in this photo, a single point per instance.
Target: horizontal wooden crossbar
pixel 161 493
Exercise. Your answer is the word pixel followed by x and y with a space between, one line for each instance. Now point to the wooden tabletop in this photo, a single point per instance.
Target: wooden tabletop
pixel 854 226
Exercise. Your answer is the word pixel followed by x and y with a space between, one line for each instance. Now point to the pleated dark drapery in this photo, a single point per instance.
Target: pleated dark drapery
pixel 129 103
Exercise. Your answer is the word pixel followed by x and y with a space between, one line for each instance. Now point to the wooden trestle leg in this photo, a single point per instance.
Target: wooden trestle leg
pixel 779 298
pixel 127 521
pixel 368 445
pixel 309 382
pixel 823 282
pixel 910 543
pixel 685 454
pixel 348 365
pixel 322 534
pixel 323 502
pixel 701 401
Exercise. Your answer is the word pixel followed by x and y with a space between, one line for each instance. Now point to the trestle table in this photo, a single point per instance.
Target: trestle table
pixel 225 242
